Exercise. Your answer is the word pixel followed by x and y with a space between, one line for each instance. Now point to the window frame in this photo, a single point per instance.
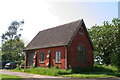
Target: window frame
pixel 81 54
pixel 42 57
pixel 58 57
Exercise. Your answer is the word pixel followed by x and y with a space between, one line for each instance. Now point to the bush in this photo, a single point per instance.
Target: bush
pixel 21 66
pixel 65 72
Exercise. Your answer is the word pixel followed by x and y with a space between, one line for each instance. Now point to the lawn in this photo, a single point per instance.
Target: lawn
pixel 88 75
pixel 98 71
pixel 10 77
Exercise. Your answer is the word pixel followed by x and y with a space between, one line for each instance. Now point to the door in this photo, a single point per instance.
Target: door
pixel 29 59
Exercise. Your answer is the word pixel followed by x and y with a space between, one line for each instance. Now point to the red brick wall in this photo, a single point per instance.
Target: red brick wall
pixel 72 49
pixel 72 53
pixel 52 57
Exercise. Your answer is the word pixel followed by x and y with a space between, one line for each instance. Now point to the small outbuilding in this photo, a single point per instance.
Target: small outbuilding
pixel 65 46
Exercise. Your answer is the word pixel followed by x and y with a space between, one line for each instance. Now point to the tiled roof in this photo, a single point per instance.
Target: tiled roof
pixel 57 36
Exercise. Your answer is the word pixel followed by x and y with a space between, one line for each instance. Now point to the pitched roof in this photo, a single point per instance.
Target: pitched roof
pixel 57 36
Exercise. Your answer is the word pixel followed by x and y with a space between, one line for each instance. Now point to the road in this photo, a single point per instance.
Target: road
pixel 28 76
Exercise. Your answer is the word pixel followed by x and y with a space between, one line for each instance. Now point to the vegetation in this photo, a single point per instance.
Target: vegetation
pixel 10 77
pixel 14 51
pixel 45 71
pixel 12 46
pixel 88 75
pixel 0 55
pixel 106 43
pixel 97 71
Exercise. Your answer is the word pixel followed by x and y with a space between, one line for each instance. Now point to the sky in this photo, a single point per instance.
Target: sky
pixel 43 14
pixel 119 9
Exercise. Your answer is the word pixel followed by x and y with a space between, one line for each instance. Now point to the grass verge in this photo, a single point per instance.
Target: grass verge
pixel 10 77
pixel 98 71
pixel 88 75
pixel 45 71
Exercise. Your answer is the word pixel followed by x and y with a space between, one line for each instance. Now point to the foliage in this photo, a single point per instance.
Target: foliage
pixel 106 42
pixel 14 51
pixel 97 71
pixel 10 77
pixel 12 46
pixel 1 55
pixel 12 32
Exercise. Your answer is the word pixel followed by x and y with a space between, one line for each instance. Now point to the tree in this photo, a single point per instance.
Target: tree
pixel 0 55
pixel 12 32
pixel 13 52
pixel 11 43
pixel 106 42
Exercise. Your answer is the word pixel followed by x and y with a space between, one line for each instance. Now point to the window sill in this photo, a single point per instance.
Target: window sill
pixel 42 62
pixel 57 62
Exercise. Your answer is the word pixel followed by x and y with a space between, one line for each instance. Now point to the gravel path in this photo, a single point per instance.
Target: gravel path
pixel 28 76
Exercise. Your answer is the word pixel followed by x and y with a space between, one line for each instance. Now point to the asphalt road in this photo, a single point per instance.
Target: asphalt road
pixel 28 76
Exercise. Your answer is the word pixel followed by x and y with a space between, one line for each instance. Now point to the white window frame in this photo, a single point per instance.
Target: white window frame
pixel 42 57
pixel 58 57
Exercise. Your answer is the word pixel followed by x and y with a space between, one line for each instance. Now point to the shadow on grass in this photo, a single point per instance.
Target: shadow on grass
pixel 92 70
pixel 100 73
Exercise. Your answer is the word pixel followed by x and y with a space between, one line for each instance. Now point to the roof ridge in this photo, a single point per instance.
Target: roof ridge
pixel 61 25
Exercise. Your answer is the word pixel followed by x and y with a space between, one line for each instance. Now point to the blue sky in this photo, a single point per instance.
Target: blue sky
pixel 43 14
pixel 119 10
pixel 91 12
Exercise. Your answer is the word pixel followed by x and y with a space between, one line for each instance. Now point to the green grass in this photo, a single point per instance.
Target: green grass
pixel 88 75
pixel 45 71
pixel 10 77
pixel 98 71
